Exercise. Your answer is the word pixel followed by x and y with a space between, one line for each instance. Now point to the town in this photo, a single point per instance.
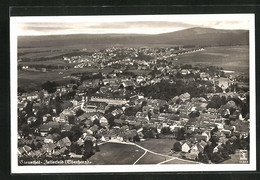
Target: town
pixel 134 94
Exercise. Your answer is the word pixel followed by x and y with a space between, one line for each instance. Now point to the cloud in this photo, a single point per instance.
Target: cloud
pixel 127 26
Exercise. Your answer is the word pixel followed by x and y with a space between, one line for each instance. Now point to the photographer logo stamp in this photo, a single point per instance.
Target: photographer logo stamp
pixel 243 156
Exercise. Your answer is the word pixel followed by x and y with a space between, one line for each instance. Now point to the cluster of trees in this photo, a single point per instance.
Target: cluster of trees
pixel 90 76
pixel 221 102
pixel 216 101
pixel 150 132
pixel 165 90
pixel 47 66
pixel 50 86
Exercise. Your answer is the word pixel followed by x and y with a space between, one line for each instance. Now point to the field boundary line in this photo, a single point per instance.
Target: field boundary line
pixel 166 161
pixel 187 160
pixel 140 157
pixel 133 144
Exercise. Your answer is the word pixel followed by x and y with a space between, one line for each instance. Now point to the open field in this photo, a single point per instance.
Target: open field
pixel 150 158
pixel 234 58
pixel 162 146
pixel 179 161
pixel 233 160
pixel 54 62
pixel 35 79
pixel 115 153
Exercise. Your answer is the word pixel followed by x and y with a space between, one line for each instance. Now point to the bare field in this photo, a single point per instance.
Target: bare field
pixel 179 161
pixel 150 158
pixel 114 153
pixel 234 58
pixel 233 160
pixel 162 146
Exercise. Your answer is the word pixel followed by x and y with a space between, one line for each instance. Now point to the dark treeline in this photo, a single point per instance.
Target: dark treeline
pixel 78 53
pixel 39 66
pixel 165 90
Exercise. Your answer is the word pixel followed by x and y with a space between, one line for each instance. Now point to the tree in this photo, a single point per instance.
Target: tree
pixel 177 146
pixel 75 148
pixel 216 157
pixel 208 149
pixel 224 152
pixel 50 87
pixel 66 134
pixel 79 112
pixel 71 119
pixel 203 157
pixel 144 103
pixel 96 122
pixel 165 130
pixel 136 138
pixel 88 149
pixel 28 108
pixel 54 130
pixel 76 133
pixel 180 134
pixel 110 118
pixel 130 111
pixel 194 114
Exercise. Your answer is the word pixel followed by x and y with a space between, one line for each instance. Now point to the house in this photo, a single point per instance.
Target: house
pixel 224 83
pixel 204 75
pixel 49 148
pixel 32 96
pixel 103 121
pixel 27 149
pixel 226 132
pixel 84 117
pixel 64 142
pixel 31 119
pixel 48 139
pixel 45 128
pixel 201 137
pixel 35 154
pixel 117 112
pixel 130 119
pixel 197 148
pixel 60 151
pixel 185 71
pixel 66 127
pixel 223 140
pixel 64 115
pixel 39 138
pixel 119 122
pixel 186 147
pixel 191 156
pixel 133 124
pixel 61 89
pixel 127 83
pixel 216 149
pixel 207 134
pixel 140 79
pixel 51 138
pixel 94 128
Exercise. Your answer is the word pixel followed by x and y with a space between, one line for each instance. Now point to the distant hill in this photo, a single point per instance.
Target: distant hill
pixel 193 36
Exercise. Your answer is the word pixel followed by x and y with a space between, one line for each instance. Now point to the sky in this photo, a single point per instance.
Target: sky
pixel 124 24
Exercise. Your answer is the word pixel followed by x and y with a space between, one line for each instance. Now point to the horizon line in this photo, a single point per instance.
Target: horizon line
pixel 122 33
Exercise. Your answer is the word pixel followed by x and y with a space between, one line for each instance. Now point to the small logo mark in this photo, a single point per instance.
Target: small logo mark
pixel 243 156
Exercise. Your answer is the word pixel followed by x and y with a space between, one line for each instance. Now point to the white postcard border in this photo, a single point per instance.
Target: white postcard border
pixel 129 168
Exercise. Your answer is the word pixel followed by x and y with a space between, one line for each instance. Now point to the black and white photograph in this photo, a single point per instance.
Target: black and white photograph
pixel 133 93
